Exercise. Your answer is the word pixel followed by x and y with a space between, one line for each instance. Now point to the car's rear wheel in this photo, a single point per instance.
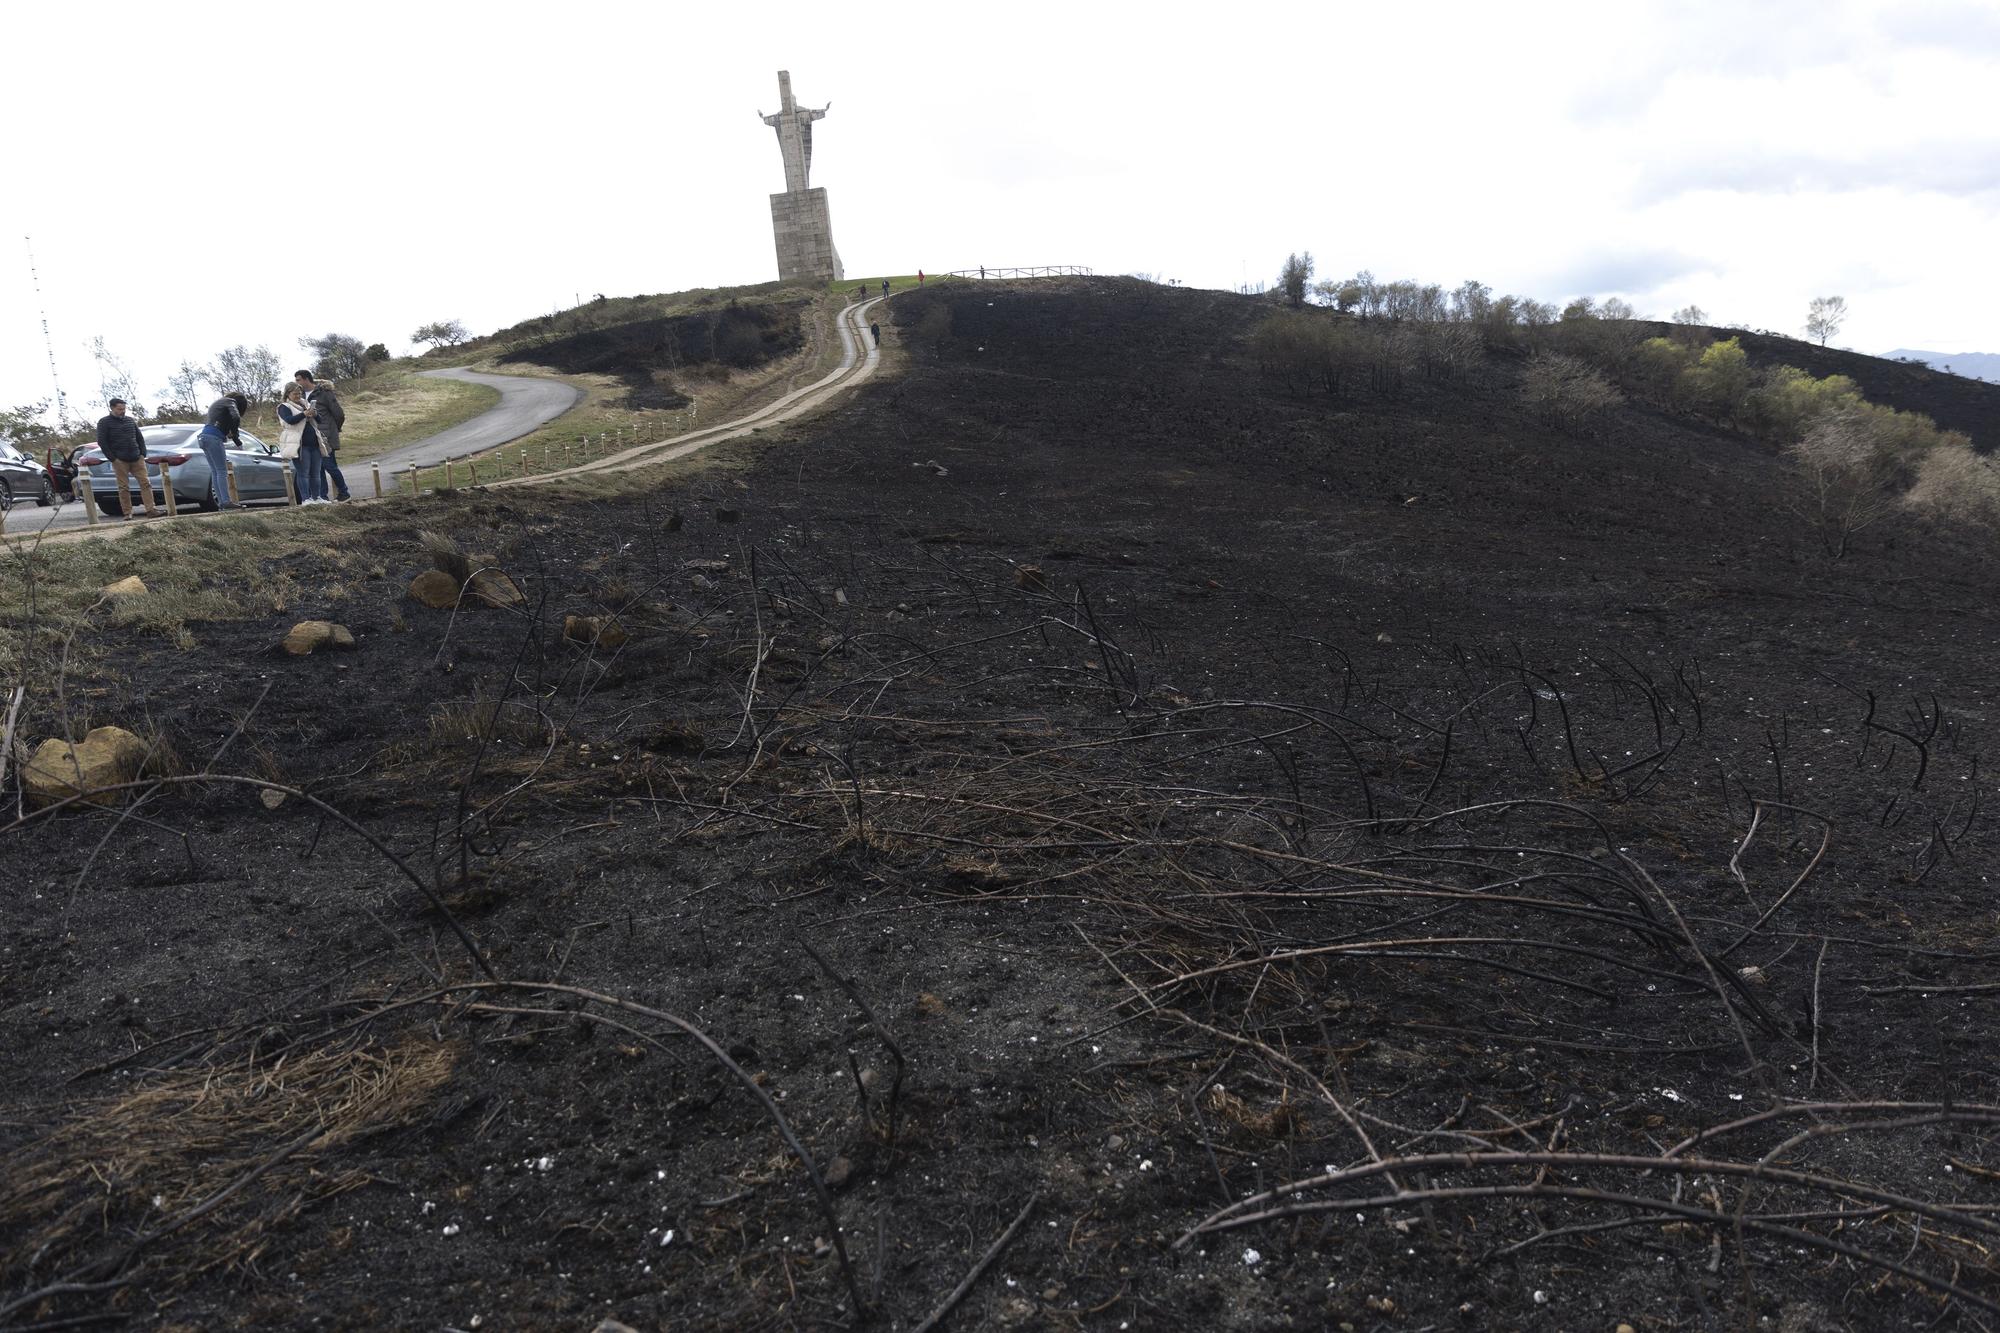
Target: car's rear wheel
pixel 6 497
pixel 48 495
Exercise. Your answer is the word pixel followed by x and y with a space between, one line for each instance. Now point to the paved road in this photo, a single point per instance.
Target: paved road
pixel 526 403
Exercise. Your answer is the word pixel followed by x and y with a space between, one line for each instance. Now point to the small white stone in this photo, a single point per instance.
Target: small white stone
pixel 1541 1298
pixel 1251 1258
pixel 451 1228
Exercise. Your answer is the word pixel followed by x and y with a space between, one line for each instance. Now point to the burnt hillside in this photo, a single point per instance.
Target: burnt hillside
pixel 1141 850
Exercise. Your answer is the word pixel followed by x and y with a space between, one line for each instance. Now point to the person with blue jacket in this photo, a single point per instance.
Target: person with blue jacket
pixel 220 428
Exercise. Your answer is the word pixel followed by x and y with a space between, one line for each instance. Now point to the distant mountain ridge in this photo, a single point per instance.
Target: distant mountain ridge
pixel 1975 365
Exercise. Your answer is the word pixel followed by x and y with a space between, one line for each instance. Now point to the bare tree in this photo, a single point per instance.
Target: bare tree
pixel 1825 316
pixel 114 377
pixel 1849 472
pixel 1566 392
pixel 1691 315
pixel 1293 277
pixel 252 370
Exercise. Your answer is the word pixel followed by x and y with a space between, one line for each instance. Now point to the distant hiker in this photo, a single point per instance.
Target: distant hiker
pixel 328 419
pixel 920 277
pixel 982 270
pixel 861 292
pixel 885 286
pixel 124 445
pixel 875 332
pixel 223 426
pixel 299 442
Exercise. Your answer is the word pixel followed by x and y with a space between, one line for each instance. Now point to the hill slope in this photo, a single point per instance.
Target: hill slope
pixel 1075 782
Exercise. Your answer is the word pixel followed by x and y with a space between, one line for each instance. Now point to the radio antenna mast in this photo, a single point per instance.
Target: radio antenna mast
pixel 62 402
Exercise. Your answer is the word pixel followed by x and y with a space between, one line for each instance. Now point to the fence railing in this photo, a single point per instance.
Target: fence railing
pixel 1045 271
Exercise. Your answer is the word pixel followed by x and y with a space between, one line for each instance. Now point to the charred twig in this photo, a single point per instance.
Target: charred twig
pixel 985 1261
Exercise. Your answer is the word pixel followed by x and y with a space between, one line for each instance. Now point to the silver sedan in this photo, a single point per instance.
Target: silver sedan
pixel 260 473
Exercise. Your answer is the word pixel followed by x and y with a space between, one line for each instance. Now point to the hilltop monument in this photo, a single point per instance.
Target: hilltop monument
pixel 799 217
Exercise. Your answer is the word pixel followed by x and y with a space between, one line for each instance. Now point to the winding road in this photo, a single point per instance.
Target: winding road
pixel 527 403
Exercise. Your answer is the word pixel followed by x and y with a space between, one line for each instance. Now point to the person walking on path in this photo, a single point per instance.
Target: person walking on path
pixel 124 446
pixel 222 426
pixel 298 442
pixel 875 332
pixel 328 419
pixel 920 277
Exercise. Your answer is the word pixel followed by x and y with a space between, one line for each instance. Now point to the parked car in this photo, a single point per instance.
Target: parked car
pixel 260 473
pixel 22 478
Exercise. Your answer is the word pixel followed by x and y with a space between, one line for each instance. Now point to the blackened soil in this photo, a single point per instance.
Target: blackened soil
pixel 648 354
pixel 1072 660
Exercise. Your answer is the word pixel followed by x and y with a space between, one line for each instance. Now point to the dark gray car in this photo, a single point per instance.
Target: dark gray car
pixel 23 478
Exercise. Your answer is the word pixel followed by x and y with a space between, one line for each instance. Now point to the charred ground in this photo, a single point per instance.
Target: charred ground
pixel 651 354
pixel 1085 781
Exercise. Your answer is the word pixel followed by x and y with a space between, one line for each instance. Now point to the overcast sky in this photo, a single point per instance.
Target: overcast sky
pixel 205 174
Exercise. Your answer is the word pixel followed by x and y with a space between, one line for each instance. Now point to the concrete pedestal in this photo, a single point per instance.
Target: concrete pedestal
pixel 803 228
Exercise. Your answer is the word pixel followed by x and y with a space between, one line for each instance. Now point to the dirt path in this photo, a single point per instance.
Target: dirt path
pixel 859 357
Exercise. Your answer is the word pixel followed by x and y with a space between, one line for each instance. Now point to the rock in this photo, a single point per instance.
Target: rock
pixel 838 1172
pixel 106 757
pixel 493 587
pixel 613 1326
pixel 673 523
pixel 603 631
pixel 435 589
pixel 726 516
pixel 311 635
pixel 708 566
pixel 129 586
pixel 1031 577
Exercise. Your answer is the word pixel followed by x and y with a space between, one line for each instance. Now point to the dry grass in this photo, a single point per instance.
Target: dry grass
pixel 134 1166
pixel 397 406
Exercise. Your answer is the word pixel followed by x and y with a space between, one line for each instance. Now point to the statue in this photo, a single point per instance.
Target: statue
pixel 795 134
pixel 801 222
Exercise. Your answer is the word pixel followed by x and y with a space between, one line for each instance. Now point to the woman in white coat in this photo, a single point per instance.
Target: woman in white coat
pixel 298 442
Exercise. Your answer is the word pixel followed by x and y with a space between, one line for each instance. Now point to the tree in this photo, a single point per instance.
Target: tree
pixel 1616 308
pixel 114 378
pixel 255 371
pixel 1583 307
pixel 444 333
pixel 1294 276
pixel 1719 380
pixel 24 425
pixel 182 396
pixel 337 356
pixel 1850 474
pixel 376 352
pixel 1825 316
pixel 1567 393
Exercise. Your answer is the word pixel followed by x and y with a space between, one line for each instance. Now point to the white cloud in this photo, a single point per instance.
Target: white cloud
pixel 207 174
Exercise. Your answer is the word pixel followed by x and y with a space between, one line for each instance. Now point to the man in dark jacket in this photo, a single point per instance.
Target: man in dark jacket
pixel 220 428
pixel 328 417
pixel 124 447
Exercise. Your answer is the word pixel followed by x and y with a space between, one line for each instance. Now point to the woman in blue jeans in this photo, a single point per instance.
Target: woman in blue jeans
pixel 298 441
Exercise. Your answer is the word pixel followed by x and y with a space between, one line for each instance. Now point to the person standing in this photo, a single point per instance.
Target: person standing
pixel 875 332
pixel 328 418
pixel 223 426
pixel 298 442
pixel 885 286
pixel 920 277
pixel 124 446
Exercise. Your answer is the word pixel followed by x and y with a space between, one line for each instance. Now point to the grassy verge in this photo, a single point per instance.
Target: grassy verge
pixel 897 283
pixel 395 406
pixel 53 596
